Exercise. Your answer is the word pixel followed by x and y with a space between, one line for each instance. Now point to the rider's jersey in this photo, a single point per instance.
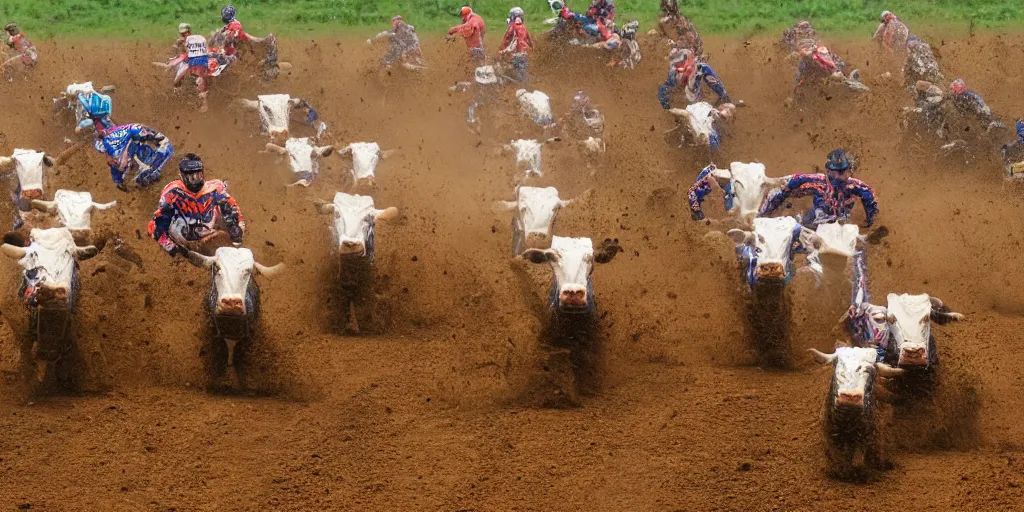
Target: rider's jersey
pixel 472 31
pixel 893 35
pixel 681 30
pixel 602 10
pixel 834 200
pixel 970 103
pixel 235 33
pixel 20 43
pixel 517 39
pixel 200 212
pixel 195 46
pixel 703 74
pixel 116 143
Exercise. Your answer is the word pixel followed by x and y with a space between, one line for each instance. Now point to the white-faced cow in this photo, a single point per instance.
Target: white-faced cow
pixel 533 217
pixel 850 422
pixel 74 211
pixel 49 289
pixel 353 227
pixel 702 120
pixel 572 262
pixel 528 155
pixel 745 186
pixel 233 302
pixel 365 157
pixel 766 254
pixel 304 158
pixel 537 106
pixel 275 113
pixel 29 167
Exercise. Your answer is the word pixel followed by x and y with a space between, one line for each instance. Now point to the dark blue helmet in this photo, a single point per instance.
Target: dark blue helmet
pixel 191 170
pixel 838 161
pixel 227 13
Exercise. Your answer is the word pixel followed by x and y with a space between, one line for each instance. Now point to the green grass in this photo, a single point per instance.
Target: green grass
pixel 159 18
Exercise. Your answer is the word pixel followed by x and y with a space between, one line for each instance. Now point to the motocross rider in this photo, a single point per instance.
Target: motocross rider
pixel 18 42
pixel 928 99
pixel 97 108
pixel 801 38
pixel 122 144
pixel 194 50
pixel 472 30
pixel 821 61
pixel 194 214
pixel 1013 152
pixel 920 64
pixel 834 193
pixel 892 33
pixel 678 29
pixel 405 45
pixel 685 70
pixel 518 42
pixel 969 103
pixel 233 33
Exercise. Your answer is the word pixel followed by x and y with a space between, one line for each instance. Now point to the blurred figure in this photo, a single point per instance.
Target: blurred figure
pixel 405 45
pixel 892 33
pixel 26 51
pixel 472 30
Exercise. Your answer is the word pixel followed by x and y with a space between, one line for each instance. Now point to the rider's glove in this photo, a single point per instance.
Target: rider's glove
pixel 311 116
pixel 166 243
pixel 697 214
pixel 235 232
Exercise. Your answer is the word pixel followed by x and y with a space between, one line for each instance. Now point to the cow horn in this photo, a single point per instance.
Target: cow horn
pixel 107 89
pixel 274 148
pixel 386 214
pixel 821 357
pixel 5 161
pixel 680 112
pixel 249 104
pixel 13 251
pixel 885 370
pixel 84 253
pixel 325 151
pixel 104 206
pixel 201 260
pixel 268 271
pixel 47 206
pixel 323 207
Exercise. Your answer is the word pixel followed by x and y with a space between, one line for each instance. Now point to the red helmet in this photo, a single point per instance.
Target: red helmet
pixel 465 12
pixel 395 22
pixel 684 63
pixel 823 58
pixel 958 86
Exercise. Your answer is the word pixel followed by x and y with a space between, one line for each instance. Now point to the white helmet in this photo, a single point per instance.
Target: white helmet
pixel 184 27
pixel 515 12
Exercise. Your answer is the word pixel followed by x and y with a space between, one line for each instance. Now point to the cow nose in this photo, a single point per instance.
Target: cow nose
pixel 771 271
pixel 574 297
pixel 30 194
pixel 231 306
pixel 351 246
pixel 850 399
pixel 912 356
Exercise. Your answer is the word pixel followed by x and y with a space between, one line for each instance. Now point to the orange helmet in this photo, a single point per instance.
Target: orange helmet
pixel 465 12
pixel 958 86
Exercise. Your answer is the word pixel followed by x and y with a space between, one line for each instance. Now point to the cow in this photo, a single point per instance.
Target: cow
pixel 275 112
pixel 74 211
pixel 304 157
pixel 233 303
pixel 49 290
pixel 745 186
pixel 533 217
pixel 528 156
pixel 850 412
pixel 365 157
pixel 537 106
pixel 29 165
pixel 572 263
pixel 353 226
pixel 702 123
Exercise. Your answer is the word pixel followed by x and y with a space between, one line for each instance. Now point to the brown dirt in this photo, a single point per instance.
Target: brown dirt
pixel 444 411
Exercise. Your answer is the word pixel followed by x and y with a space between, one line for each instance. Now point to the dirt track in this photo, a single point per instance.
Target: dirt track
pixel 444 412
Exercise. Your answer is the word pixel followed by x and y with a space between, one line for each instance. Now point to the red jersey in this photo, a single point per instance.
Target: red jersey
pixel 201 212
pixel 517 39
pixel 234 33
pixel 472 30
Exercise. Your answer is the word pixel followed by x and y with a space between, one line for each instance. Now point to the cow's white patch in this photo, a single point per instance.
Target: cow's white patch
pixel 365 157
pixel 573 262
pixel 910 325
pixel 51 254
pixel 750 185
pixel 537 106
pixel 773 239
pixel 854 371
pixel 28 164
pixel 302 156
pixel 838 239
pixel 528 156
pixel 274 111
pixel 353 218
pixel 701 121
pixel 232 274
pixel 535 213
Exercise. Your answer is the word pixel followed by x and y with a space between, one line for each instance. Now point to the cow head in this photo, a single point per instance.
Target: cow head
pixel 746 186
pixel 854 377
pixel 274 111
pixel 232 269
pixel 533 216
pixel 74 210
pixel 537 106
pixel 768 250
pixel 50 267
pixel 839 242
pixel 910 326
pixel 528 154
pixel 28 165
pixel 572 261
pixel 702 121
pixel 365 157
pixel 304 157
pixel 354 219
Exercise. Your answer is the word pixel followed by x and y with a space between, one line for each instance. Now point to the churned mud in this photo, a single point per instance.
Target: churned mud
pixel 450 407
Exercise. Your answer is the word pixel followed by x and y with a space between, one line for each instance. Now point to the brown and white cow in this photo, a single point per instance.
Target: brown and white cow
pixel 74 211
pixel 29 166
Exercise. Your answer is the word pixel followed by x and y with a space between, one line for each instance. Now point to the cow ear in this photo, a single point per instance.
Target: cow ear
pixel 885 370
pixel 503 206
pixel 386 214
pixel 607 250
pixel 724 176
pixel 739 236
pixel 84 253
pixel 538 256
pixel 48 160
pixel 325 208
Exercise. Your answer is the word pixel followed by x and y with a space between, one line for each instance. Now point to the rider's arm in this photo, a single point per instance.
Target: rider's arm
pixel 666 88
pixel 464 28
pixel 505 41
pixel 700 189
pixel 794 185
pixel 867 198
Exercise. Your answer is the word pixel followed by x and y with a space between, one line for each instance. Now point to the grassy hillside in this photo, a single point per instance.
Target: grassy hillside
pixel 158 18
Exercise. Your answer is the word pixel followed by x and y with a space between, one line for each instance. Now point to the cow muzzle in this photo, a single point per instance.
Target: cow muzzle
pixel 30 194
pixel 916 356
pixel 349 247
pixel 52 294
pixel 771 271
pixel 850 400
pixel 572 298
pixel 231 306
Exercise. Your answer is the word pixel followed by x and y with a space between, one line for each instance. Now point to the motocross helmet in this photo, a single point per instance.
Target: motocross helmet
pixel 184 28
pixel 465 12
pixel 958 86
pixel 670 7
pixel 227 14
pixel 684 63
pixel 12 29
pixel 556 5
pixel 395 22
pixel 515 13
pixel 887 16
pixel 629 29
pixel 191 171
pixel 838 162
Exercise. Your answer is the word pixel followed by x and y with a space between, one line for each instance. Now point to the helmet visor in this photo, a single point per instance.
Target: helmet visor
pixel 193 180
